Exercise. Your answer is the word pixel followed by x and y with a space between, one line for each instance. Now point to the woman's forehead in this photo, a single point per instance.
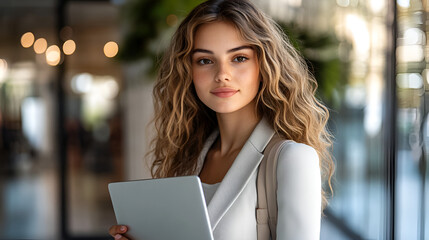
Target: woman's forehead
pixel 218 33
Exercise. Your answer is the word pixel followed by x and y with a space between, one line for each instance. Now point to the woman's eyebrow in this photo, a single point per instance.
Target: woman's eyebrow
pixel 239 48
pixel 229 51
pixel 202 51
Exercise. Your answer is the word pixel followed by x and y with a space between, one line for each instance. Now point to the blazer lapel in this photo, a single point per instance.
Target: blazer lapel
pixel 240 172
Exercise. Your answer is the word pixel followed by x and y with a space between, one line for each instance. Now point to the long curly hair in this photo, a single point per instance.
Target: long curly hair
pixel 286 97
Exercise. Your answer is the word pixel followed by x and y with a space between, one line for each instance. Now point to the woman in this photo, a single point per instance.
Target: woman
pixel 229 82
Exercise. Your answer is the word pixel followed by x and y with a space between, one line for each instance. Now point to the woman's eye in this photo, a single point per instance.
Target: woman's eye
pixel 240 59
pixel 204 61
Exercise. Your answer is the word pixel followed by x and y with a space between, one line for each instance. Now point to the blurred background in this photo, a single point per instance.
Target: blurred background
pixel 75 100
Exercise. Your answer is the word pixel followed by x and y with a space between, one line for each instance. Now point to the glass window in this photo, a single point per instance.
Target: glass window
pixel 412 86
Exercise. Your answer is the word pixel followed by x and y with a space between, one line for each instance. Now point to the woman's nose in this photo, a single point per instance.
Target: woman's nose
pixel 223 73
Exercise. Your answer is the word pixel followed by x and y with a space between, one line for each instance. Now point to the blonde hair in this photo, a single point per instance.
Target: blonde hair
pixel 286 97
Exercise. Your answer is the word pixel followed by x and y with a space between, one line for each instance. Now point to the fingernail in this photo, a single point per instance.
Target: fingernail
pixel 123 228
pixel 117 236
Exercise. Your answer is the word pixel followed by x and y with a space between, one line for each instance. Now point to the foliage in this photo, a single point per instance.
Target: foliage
pixel 321 53
pixel 145 22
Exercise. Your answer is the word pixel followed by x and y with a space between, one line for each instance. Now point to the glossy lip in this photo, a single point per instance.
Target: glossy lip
pixel 224 92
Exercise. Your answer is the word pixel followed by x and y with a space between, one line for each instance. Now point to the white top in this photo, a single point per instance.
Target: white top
pixel 209 191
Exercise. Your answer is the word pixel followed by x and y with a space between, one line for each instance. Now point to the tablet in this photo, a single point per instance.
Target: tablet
pixel 162 209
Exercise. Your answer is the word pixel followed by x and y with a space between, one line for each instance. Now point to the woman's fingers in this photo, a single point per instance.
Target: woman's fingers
pixel 120 237
pixel 117 229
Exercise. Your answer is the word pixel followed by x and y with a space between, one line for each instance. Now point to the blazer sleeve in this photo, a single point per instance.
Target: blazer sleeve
pixel 298 193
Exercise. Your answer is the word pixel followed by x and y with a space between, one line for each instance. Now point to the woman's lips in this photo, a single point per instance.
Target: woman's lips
pixel 224 92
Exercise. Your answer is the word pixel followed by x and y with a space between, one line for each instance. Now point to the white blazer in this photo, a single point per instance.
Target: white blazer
pixel 232 210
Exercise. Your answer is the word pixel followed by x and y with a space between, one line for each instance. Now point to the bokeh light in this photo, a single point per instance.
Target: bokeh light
pixel 343 3
pixel 404 3
pixel 53 55
pixel 171 20
pixel 27 39
pixel 377 6
pixel 111 49
pixel 414 36
pixel 82 83
pixel 409 80
pixel 410 53
pixel 358 32
pixel 109 88
pixel 40 45
pixel 69 47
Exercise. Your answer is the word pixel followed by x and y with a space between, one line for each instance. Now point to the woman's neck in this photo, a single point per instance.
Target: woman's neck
pixel 235 128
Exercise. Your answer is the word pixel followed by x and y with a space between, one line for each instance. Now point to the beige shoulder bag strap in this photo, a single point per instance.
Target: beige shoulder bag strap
pixel 266 212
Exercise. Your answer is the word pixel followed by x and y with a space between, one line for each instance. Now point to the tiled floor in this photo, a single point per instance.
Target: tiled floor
pixel 29 205
pixel 90 208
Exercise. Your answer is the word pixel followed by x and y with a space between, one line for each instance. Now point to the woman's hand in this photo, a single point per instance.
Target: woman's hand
pixel 116 231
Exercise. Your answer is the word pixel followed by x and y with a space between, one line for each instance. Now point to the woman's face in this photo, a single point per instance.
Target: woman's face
pixel 225 69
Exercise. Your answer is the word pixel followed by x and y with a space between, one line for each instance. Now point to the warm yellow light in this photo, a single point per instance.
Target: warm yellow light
pixel 111 49
pixel 53 55
pixel 27 39
pixel 69 47
pixel 40 45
